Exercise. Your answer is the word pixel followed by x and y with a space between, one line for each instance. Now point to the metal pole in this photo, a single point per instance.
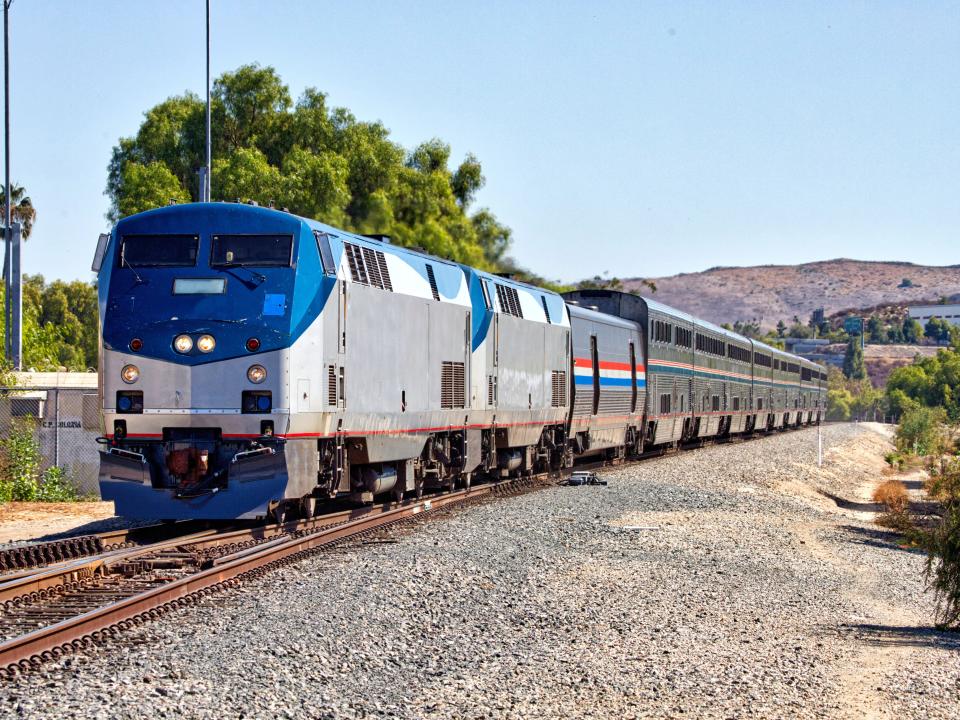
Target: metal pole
pixel 16 296
pixel 205 194
pixel 56 428
pixel 7 239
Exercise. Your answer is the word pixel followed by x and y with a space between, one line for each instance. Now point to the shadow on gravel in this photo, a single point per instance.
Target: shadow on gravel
pixel 875 537
pixel 906 636
pixel 90 528
pixel 851 505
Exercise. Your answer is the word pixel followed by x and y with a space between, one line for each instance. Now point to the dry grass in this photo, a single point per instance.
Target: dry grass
pixel 893 494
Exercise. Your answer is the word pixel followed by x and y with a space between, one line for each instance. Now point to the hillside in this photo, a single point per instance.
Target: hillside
pixel 769 293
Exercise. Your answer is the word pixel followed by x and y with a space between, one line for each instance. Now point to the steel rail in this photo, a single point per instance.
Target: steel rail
pixel 17 559
pixel 31 649
pixel 27 651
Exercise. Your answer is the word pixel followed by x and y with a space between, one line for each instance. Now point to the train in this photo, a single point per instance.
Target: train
pixel 258 364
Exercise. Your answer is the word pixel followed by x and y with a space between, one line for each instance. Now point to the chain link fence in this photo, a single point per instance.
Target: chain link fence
pixel 65 411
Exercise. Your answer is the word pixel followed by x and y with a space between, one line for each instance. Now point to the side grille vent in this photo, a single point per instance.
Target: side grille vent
pixel 509 300
pixel 452 391
pixel 433 282
pixel 368 267
pixel 559 385
pixel 331 385
pixel 491 390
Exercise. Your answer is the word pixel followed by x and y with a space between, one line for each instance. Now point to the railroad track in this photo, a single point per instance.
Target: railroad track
pixel 76 604
pixel 27 556
pixel 84 602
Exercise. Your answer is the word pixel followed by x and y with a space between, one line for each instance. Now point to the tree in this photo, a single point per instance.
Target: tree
pixel 853 367
pixel 60 324
pixel 147 187
pixel 876 333
pixel 781 328
pixel 313 159
pixel 937 329
pixel 932 382
pixel 912 331
pixel 21 208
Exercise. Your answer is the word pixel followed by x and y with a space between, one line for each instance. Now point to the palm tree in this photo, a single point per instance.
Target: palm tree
pixel 21 209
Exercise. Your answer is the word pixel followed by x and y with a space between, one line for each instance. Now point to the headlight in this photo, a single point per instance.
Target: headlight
pixel 256 374
pixel 183 344
pixel 130 374
pixel 206 343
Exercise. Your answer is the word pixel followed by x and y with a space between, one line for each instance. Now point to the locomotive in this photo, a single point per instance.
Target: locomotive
pixel 254 363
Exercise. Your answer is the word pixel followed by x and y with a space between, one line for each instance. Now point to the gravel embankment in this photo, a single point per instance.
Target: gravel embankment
pixel 707 584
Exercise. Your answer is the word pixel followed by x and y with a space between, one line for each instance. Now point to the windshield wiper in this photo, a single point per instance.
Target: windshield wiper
pixel 140 280
pixel 231 265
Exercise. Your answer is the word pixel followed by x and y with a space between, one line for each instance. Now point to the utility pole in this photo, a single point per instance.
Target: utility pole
pixel 205 179
pixel 8 342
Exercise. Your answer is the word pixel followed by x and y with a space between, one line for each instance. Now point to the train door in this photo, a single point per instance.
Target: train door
pixel 595 361
pixel 493 361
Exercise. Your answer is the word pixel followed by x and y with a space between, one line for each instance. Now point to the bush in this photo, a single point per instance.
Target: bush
pixel 54 486
pixel 922 432
pixel 838 404
pixel 21 462
pixel 942 543
pixel 20 476
pixel 893 494
pixel 895 460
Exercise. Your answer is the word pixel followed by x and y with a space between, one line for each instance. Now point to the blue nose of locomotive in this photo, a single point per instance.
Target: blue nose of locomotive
pixel 209 281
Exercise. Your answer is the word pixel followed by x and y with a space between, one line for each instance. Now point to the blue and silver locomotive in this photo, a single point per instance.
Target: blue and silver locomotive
pixel 255 363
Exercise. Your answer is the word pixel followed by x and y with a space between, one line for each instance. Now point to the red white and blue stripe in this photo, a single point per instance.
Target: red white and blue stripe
pixel 611 374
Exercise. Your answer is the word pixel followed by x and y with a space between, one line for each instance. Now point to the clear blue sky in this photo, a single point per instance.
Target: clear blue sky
pixel 638 138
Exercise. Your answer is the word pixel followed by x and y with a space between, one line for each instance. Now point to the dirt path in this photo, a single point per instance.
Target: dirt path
pixel 864 677
pixel 31 520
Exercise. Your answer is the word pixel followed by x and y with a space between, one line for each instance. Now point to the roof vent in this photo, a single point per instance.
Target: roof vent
pixel 253 202
pixel 385 239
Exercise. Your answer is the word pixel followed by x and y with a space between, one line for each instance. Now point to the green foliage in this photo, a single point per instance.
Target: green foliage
pixel 941 541
pixel 60 324
pixel 839 404
pixel 876 332
pixel 849 399
pixel 906 283
pixel 314 160
pixel 781 328
pixel 937 330
pixel 54 486
pixel 921 431
pixel 20 461
pixel 748 329
pixel 932 382
pixel 853 366
pixel 912 331
pixel 21 208
pixel 895 459
pixel 148 186
pixel 20 475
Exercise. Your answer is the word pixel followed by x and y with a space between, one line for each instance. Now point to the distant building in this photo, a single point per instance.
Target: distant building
pixel 923 313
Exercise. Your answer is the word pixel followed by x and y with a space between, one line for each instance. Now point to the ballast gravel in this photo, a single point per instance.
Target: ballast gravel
pixel 709 584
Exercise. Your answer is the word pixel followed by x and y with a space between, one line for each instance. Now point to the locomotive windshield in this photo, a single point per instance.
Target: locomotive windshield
pixel 159 250
pixel 259 250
